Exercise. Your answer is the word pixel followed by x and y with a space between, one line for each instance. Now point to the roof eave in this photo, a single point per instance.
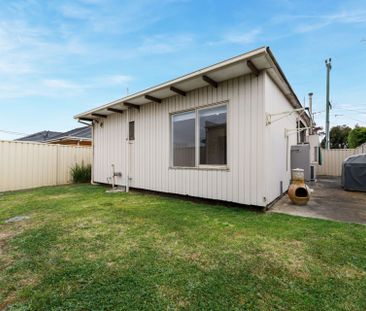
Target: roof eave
pixel 169 83
pixel 68 138
pixel 294 100
pixel 266 51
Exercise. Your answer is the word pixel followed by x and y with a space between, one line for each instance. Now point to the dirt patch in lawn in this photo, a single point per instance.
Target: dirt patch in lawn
pixel 4 237
pixel 5 261
pixel 24 280
pixel 289 255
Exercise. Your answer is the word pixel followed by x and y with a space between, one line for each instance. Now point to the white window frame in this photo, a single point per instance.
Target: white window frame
pixel 197 138
pixel 171 148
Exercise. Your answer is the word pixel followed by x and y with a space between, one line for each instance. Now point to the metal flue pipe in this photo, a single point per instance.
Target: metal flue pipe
pixel 328 64
pixel 311 132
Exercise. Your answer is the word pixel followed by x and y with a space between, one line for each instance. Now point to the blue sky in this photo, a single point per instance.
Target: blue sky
pixel 59 58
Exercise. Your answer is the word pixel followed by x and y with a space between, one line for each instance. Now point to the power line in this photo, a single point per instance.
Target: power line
pixel 350 108
pixel 318 112
pixel 13 133
pixel 347 117
pixel 353 110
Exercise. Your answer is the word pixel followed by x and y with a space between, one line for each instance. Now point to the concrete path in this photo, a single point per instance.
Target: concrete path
pixel 328 201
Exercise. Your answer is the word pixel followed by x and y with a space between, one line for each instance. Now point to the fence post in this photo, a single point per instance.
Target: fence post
pixel 57 163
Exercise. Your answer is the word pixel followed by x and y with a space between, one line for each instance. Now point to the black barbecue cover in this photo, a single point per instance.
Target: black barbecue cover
pixel 354 173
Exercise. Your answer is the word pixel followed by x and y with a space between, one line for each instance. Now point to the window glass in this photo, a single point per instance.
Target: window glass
pixel 301 138
pixel 183 135
pixel 131 130
pixel 316 152
pixel 213 136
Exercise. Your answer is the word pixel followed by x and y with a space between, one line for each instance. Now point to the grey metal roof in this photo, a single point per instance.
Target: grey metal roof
pixel 39 136
pixel 80 132
pixel 83 133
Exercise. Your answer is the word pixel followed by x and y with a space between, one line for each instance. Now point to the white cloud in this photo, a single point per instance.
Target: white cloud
pixel 16 33
pixel 307 23
pixel 9 67
pixel 53 87
pixel 243 38
pixel 26 49
pixel 112 17
pixel 115 80
pixel 46 59
pixel 76 12
pixel 60 84
pixel 165 43
pixel 236 37
pixel 91 1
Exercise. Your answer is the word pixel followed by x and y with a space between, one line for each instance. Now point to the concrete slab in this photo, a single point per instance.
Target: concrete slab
pixel 16 219
pixel 328 201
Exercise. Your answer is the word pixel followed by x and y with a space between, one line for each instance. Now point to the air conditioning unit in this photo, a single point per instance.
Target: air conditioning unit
pixel 300 158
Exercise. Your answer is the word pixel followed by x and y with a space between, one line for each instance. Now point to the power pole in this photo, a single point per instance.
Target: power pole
pixel 311 131
pixel 328 64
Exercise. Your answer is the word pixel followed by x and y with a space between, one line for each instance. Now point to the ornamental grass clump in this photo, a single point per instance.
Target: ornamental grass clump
pixel 81 173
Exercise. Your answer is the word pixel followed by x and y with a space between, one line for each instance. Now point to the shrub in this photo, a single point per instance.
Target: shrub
pixel 338 137
pixel 81 173
pixel 357 137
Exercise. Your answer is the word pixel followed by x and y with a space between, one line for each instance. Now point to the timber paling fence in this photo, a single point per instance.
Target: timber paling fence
pixel 25 165
pixel 332 160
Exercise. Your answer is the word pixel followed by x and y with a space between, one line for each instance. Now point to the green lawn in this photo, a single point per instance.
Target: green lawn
pixel 84 249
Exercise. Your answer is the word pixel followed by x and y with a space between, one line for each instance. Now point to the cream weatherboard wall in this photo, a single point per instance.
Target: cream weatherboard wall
pixel 258 154
pixel 109 137
pixel 148 161
pixel 277 142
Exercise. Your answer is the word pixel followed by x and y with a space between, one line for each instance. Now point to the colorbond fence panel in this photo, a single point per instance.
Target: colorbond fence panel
pixel 333 159
pixel 26 165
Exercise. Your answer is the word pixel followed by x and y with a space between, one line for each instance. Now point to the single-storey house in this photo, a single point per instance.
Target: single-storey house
pixel 80 136
pixel 39 137
pixel 222 132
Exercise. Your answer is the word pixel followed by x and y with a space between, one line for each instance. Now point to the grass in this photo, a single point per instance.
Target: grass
pixel 83 249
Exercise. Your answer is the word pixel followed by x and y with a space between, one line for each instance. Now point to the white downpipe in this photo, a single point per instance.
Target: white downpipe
pixel 93 152
pixel 113 177
pixel 127 153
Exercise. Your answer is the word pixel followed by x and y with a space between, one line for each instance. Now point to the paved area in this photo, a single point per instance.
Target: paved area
pixel 328 201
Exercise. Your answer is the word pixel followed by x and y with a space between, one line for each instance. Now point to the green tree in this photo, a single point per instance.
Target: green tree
pixel 357 137
pixel 338 137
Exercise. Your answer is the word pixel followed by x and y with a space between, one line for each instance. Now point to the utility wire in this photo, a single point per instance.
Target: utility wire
pixel 13 133
pixel 349 109
pixel 347 117
pixel 353 110
pixel 318 112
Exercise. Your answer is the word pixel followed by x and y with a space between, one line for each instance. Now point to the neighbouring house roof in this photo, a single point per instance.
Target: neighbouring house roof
pixel 81 133
pixel 251 62
pixel 39 136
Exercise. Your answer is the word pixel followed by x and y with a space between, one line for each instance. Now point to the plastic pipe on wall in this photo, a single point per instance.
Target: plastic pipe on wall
pixel 127 153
